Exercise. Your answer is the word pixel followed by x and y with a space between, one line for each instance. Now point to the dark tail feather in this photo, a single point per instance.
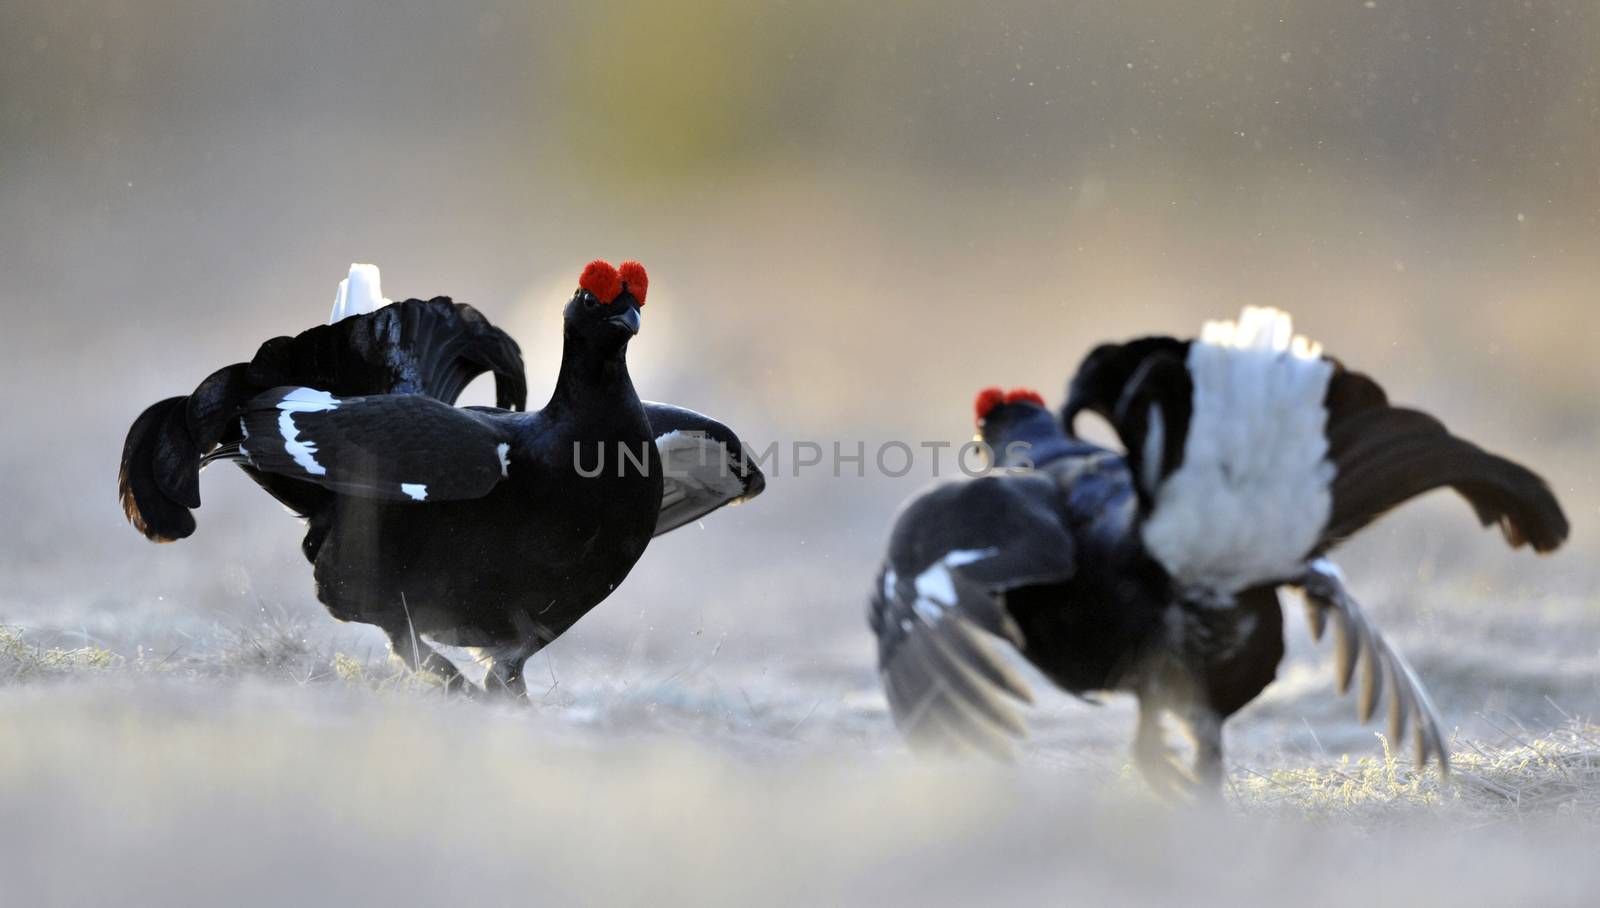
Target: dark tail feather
pixel 176 462
pixel 214 405
pixel 145 459
pixel 159 482
pixel 433 347
pixel 1386 455
pixel 482 348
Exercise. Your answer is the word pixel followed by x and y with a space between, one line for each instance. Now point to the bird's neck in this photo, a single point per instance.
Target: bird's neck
pixel 1035 438
pixel 593 380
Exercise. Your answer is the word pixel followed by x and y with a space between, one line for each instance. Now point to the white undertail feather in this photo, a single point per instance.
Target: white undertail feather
pixel 1252 496
pixel 358 294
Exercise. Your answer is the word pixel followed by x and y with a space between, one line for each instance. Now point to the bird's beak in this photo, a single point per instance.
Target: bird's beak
pixel 628 318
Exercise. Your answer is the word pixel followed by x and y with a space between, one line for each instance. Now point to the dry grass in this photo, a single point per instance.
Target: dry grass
pixel 23 660
pixel 282 770
pixel 1524 777
pixel 1521 779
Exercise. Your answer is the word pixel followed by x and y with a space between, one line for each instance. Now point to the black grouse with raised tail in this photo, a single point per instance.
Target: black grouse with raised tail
pixel 471 526
pixel 1248 455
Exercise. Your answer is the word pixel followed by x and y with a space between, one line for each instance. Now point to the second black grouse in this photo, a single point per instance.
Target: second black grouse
pixel 1248 457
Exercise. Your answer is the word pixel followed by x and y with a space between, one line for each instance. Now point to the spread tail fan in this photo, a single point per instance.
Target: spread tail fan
pixel 434 347
pixel 430 347
pixel 1255 451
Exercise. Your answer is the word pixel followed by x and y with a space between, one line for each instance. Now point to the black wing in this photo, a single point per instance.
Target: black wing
pixel 939 607
pixel 401 447
pixel 1386 455
pixel 703 464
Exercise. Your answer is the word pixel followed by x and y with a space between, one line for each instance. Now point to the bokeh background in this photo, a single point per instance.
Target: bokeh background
pixel 854 215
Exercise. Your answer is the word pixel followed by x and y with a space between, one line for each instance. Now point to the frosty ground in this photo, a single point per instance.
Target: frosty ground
pixel 184 723
pixel 855 215
pixel 274 757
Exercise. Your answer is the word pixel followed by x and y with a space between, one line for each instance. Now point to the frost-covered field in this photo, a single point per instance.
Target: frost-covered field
pixel 854 216
pixel 688 750
pixel 183 723
pixel 273 771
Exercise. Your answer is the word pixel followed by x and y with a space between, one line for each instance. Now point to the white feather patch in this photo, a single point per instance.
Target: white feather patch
pixel 1252 496
pixel 358 294
pixel 697 462
pixel 503 451
pixel 936 584
pixel 960 557
pixel 936 589
pixel 303 400
pixel 416 490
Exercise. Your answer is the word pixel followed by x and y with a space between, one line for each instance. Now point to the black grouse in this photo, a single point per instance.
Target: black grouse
pixel 1248 456
pixel 481 527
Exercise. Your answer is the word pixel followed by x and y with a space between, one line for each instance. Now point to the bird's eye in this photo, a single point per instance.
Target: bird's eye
pixel 589 300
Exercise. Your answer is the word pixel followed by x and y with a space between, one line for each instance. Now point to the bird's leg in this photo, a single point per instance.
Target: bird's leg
pixel 1152 756
pixel 420 657
pixel 1205 730
pixel 505 673
pixel 506 662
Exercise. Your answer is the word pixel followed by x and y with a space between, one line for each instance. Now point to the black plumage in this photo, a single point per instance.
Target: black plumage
pixel 1058 561
pixel 468 526
pixel 1384 455
pixel 1044 558
pixel 431 347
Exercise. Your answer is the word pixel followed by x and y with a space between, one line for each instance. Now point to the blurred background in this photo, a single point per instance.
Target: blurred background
pixel 854 216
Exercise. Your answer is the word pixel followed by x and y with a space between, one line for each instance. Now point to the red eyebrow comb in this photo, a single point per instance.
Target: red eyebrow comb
pixel 988 399
pixel 634 280
pixel 601 279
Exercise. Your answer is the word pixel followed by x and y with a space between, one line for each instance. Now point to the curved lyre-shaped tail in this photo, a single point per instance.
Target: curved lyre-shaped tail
pixel 433 347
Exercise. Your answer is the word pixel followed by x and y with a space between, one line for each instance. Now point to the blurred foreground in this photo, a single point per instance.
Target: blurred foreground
pixel 165 781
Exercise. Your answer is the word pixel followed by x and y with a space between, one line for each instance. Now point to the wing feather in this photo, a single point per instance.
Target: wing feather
pixel 704 463
pixel 402 447
pixel 1357 639
pixel 938 609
